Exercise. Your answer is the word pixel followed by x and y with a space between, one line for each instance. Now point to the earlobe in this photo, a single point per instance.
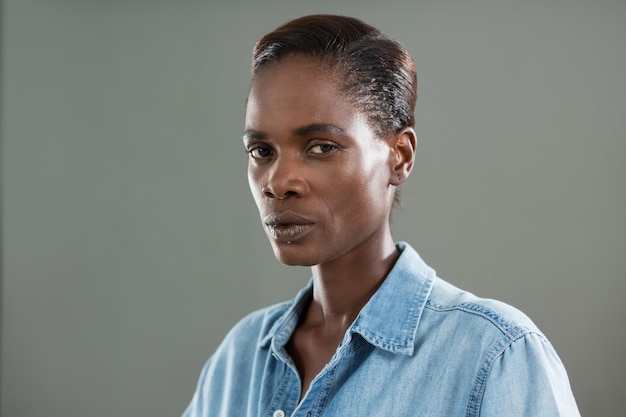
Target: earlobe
pixel 404 145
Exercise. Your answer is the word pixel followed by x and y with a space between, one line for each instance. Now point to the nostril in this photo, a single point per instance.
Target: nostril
pixel 282 196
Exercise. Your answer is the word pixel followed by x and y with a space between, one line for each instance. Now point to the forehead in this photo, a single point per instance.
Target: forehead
pixel 300 90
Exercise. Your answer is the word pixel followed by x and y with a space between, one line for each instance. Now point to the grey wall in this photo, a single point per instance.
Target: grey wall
pixel 130 243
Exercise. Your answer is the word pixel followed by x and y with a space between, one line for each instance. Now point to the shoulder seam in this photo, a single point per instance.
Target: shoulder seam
pixel 475 399
pixel 511 329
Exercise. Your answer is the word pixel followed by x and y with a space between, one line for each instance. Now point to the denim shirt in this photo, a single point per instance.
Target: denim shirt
pixel 419 347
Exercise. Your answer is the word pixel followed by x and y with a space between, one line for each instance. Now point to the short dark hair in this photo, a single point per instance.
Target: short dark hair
pixel 377 71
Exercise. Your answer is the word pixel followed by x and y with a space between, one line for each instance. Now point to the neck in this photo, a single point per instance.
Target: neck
pixel 343 286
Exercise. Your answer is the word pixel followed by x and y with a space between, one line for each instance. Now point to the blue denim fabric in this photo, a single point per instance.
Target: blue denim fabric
pixel 420 347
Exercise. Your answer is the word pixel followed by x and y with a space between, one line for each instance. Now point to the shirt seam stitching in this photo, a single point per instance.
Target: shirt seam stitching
pixel 506 327
pixel 478 390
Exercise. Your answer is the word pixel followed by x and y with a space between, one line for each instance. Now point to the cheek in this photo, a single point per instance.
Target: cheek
pixel 372 193
pixel 358 192
pixel 374 176
pixel 253 183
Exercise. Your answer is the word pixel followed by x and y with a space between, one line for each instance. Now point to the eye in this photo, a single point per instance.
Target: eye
pixel 259 152
pixel 322 148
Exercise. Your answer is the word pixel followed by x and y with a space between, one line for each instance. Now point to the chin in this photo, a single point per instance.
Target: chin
pixel 292 254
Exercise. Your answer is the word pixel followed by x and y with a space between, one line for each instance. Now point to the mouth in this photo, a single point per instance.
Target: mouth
pixel 287 227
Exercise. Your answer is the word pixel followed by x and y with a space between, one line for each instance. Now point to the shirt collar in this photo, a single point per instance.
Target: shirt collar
pixel 391 317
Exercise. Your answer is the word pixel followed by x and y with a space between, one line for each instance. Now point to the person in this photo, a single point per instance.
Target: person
pixel 329 129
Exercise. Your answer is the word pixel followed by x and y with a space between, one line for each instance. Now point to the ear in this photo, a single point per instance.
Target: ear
pixel 403 145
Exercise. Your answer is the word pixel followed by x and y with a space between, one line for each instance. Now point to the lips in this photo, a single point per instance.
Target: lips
pixel 287 227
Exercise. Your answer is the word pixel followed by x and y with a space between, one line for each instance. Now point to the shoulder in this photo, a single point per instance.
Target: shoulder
pixel 253 328
pixel 240 346
pixel 226 377
pixel 516 369
pixel 450 302
pixel 447 304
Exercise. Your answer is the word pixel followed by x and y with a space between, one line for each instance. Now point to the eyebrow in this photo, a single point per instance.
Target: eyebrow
pixel 318 128
pixel 249 134
pixel 313 128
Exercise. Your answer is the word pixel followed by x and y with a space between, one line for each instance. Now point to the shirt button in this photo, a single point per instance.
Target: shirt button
pixel 279 413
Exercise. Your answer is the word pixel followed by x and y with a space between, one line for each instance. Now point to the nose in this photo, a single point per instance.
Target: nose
pixel 285 179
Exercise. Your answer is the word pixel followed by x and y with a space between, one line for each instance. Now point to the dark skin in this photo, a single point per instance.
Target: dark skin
pixel 335 305
pixel 324 184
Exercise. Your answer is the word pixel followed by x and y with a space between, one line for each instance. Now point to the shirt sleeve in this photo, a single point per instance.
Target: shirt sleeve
pixel 528 380
pixel 196 407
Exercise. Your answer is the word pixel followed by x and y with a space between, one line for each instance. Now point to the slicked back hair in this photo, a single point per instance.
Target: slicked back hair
pixel 375 71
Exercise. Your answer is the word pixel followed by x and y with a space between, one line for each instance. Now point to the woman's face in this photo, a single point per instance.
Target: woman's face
pixel 321 179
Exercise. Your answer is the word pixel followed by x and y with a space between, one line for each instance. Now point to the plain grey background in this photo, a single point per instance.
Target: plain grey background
pixel 130 243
